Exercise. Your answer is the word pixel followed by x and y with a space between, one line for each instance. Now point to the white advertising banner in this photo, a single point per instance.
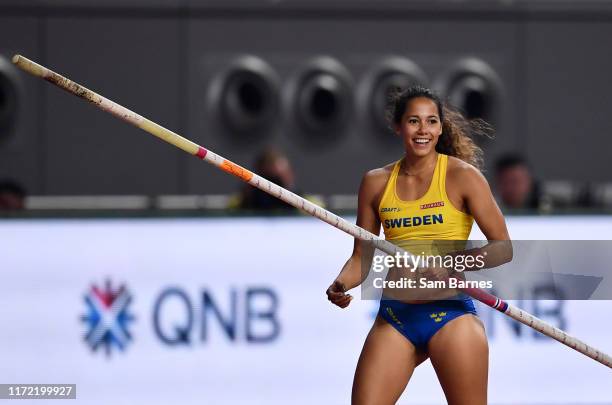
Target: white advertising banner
pixel 233 311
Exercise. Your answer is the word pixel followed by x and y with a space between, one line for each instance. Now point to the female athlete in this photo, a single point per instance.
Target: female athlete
pixel 434 192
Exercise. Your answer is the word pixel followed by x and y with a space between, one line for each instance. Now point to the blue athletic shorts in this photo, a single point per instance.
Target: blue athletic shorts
pixel 419 322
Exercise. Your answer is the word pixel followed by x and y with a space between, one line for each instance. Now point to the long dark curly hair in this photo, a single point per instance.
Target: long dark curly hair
pixel 457 131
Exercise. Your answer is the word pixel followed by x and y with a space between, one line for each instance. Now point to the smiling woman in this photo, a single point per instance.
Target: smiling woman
pixel 455 138
pixel 435 192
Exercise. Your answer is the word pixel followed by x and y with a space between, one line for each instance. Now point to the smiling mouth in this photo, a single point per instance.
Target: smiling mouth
pixel 421 141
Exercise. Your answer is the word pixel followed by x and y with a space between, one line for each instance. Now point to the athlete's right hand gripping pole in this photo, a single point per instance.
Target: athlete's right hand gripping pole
pixel 294 200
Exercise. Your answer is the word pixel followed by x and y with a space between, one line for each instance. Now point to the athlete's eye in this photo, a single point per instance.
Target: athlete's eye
pixel 412 120
pixel 433 121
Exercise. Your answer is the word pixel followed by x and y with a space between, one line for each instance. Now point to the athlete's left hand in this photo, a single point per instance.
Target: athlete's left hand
pixel 336 294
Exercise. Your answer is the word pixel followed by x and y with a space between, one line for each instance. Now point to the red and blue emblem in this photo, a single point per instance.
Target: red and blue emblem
pixel 108 318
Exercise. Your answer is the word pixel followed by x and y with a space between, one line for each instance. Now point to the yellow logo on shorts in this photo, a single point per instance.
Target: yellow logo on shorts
pixel 437 316
pixel 392 315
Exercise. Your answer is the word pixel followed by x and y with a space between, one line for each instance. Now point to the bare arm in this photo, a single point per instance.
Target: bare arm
pixel 480 203
pixel 351 275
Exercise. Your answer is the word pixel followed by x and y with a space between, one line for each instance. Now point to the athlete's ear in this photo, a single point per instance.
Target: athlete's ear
pixel 397 129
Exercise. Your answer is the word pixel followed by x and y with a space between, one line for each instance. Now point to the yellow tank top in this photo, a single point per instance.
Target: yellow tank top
pixel 431 217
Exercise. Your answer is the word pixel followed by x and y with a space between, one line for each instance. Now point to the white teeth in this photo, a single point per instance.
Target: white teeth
pixel 421 140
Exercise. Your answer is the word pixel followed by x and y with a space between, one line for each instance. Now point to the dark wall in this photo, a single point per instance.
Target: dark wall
pixel 132 61
pixel 548 93
pixel 336 162
pixel 568 94
pixel 21 139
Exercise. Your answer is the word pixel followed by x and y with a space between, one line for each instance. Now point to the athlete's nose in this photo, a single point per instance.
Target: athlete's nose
pixel 421 130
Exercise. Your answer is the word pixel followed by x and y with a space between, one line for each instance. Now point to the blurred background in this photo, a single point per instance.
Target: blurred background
pixel 223 287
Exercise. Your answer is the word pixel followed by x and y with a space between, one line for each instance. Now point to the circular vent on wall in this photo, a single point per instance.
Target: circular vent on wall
pixel 474 88
pixel 246 96
pixel 321 97
pixel 10 95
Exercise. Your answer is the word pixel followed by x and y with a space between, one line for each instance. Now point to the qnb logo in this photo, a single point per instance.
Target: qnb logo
pixel 108 318
pixel 249 315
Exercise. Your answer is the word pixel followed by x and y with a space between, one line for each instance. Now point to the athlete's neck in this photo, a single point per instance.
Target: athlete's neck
pixel 419 165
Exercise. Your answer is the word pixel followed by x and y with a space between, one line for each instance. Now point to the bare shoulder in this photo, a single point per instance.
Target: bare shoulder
pixel 458 170
pixel 379 175
pixel 375 180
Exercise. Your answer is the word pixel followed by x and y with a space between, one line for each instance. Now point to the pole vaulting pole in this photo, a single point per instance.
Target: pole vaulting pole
pixel 295 200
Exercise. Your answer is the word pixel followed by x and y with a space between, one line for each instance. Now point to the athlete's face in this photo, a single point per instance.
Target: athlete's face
pixel 420 127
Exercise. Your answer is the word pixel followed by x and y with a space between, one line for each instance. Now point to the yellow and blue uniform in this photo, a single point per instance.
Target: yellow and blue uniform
pixel 426 220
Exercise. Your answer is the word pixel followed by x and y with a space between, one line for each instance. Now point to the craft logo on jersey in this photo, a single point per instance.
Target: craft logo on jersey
pixel 390 209
pixel 108 318
pixel 432 205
